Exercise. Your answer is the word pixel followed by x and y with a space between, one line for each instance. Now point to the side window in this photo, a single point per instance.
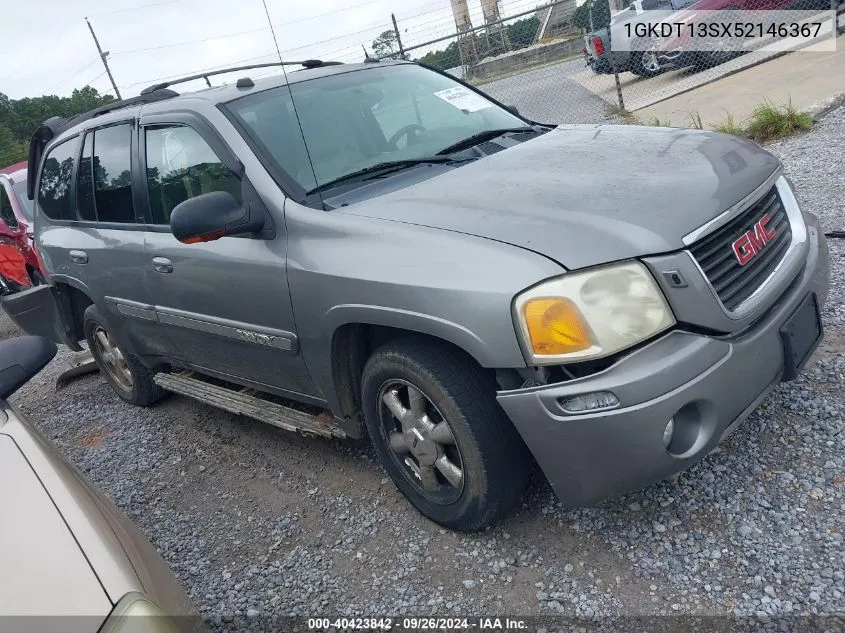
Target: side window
pixel 56 176
pixel 7 214
pixel 85 181
pixel 180 166
pixel 112 175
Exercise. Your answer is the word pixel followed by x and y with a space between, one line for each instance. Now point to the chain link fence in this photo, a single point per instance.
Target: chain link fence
pixel 567 63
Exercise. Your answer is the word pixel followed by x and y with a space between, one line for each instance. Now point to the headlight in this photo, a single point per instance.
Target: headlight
pixel 136 614
pixel 591 314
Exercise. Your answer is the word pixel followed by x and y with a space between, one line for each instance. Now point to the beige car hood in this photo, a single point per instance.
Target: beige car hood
pixel 44 572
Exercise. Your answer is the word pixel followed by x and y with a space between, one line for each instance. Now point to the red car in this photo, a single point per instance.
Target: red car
pixel 20 264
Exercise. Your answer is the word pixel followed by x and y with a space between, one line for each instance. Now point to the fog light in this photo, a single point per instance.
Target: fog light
pixel 590 402
pixel 668 432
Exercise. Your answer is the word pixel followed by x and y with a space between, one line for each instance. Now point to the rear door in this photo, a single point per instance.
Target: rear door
pixel 94 239
pixel 225 304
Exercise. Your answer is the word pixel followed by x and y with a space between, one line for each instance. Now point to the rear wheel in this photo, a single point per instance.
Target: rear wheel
pixel 645 64
pixel 127 376
pixel 434 422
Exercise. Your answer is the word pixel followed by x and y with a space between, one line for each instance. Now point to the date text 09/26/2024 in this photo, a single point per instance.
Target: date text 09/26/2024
pixel 417 624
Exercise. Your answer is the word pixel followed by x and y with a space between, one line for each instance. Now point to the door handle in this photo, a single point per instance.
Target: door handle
pixel 79 257
pixel 162 265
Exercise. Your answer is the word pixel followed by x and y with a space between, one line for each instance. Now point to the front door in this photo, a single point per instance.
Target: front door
pixel 225 305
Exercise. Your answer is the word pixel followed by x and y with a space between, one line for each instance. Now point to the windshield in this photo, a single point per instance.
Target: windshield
pixel 353 121
pixel 25 203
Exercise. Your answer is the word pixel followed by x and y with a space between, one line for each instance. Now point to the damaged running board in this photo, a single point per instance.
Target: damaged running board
pixel 249 402
pixel 81 364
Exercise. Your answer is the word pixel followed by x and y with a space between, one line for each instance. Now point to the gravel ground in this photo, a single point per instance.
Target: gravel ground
pixel 258 522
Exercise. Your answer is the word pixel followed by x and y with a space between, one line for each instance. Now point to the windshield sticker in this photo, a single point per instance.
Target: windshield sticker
pixel 464 99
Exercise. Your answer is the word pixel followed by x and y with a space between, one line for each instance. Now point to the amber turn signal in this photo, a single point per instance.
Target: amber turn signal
pixel 555 326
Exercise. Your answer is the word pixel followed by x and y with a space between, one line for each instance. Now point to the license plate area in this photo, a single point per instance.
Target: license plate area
pixel 801 334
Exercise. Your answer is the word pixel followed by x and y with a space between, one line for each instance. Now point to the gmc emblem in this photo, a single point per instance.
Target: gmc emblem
pixel 753 241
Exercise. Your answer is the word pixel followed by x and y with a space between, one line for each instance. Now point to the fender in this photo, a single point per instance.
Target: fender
pixel 413 321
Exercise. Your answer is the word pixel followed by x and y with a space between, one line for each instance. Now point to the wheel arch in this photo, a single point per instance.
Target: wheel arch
pixel 73 298
pixel 353 341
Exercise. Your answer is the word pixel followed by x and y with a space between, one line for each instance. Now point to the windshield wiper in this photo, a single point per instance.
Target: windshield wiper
pixel 486 135
pixel 380 168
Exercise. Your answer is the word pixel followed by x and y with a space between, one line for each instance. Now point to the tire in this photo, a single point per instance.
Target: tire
pixel 642 66
pixel 493 461
pixel 131 381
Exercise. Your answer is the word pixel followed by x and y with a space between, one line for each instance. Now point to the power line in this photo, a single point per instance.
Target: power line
pixel 247 32
pixel 149 82
pixel 137 8
pixel 72 77
pixel 188 42
pixel 43 52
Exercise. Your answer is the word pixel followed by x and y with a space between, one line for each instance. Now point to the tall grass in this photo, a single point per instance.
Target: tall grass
pixel 769 122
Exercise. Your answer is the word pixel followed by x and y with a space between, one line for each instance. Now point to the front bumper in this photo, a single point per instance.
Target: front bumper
pixel 707 384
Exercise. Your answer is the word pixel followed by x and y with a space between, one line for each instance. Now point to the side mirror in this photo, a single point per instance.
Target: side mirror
pixel 20 359
pixel 213 215
pixel 513 110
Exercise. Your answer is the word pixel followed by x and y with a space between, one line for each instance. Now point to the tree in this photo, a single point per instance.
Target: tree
pixel 600 15
pixel 386 45
pixel 11 150
pixel 20 118
pixel 522 32
pixel 444 59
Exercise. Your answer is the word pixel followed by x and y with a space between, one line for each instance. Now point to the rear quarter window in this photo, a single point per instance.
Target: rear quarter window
pixel 56 177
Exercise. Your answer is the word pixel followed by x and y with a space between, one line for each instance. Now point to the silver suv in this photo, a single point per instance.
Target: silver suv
pixel 383 250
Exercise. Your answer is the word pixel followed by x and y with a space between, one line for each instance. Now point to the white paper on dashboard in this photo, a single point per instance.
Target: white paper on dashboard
pixel 464 99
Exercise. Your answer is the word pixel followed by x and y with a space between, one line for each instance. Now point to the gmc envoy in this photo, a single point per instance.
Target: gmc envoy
pixel 380 249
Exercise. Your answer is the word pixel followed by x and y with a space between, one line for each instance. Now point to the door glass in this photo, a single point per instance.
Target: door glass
pixel 180 166
pixel 112 175
pixel 56 176
pixel 85 182
pixel 6 212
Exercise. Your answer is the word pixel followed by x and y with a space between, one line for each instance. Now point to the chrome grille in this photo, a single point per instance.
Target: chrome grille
pixel 732 281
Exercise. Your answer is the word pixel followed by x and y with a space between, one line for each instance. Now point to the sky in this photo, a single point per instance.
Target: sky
pixel 46 47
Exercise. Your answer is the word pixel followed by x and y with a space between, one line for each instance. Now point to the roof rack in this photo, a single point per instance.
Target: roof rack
pixel 151 97
pixel 307 64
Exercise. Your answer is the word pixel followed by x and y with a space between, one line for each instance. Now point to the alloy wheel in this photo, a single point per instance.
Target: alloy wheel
pixel 649 61
pixel 421 441
pixel 113 359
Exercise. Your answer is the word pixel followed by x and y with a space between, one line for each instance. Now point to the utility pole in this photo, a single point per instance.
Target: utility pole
pixel 398 36
pixel 104 57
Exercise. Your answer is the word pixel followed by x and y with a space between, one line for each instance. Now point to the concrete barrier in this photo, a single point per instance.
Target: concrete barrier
pixel 524 57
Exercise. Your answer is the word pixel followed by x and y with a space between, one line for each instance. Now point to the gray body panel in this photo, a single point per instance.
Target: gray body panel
pixel 552 195
pixel 454 287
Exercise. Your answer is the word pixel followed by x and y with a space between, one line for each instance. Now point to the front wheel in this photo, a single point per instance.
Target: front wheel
pixel 127 376
pixel 435 424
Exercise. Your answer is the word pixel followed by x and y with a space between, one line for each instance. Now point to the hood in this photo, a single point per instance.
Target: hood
pixel 44 570
pixel 587 194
